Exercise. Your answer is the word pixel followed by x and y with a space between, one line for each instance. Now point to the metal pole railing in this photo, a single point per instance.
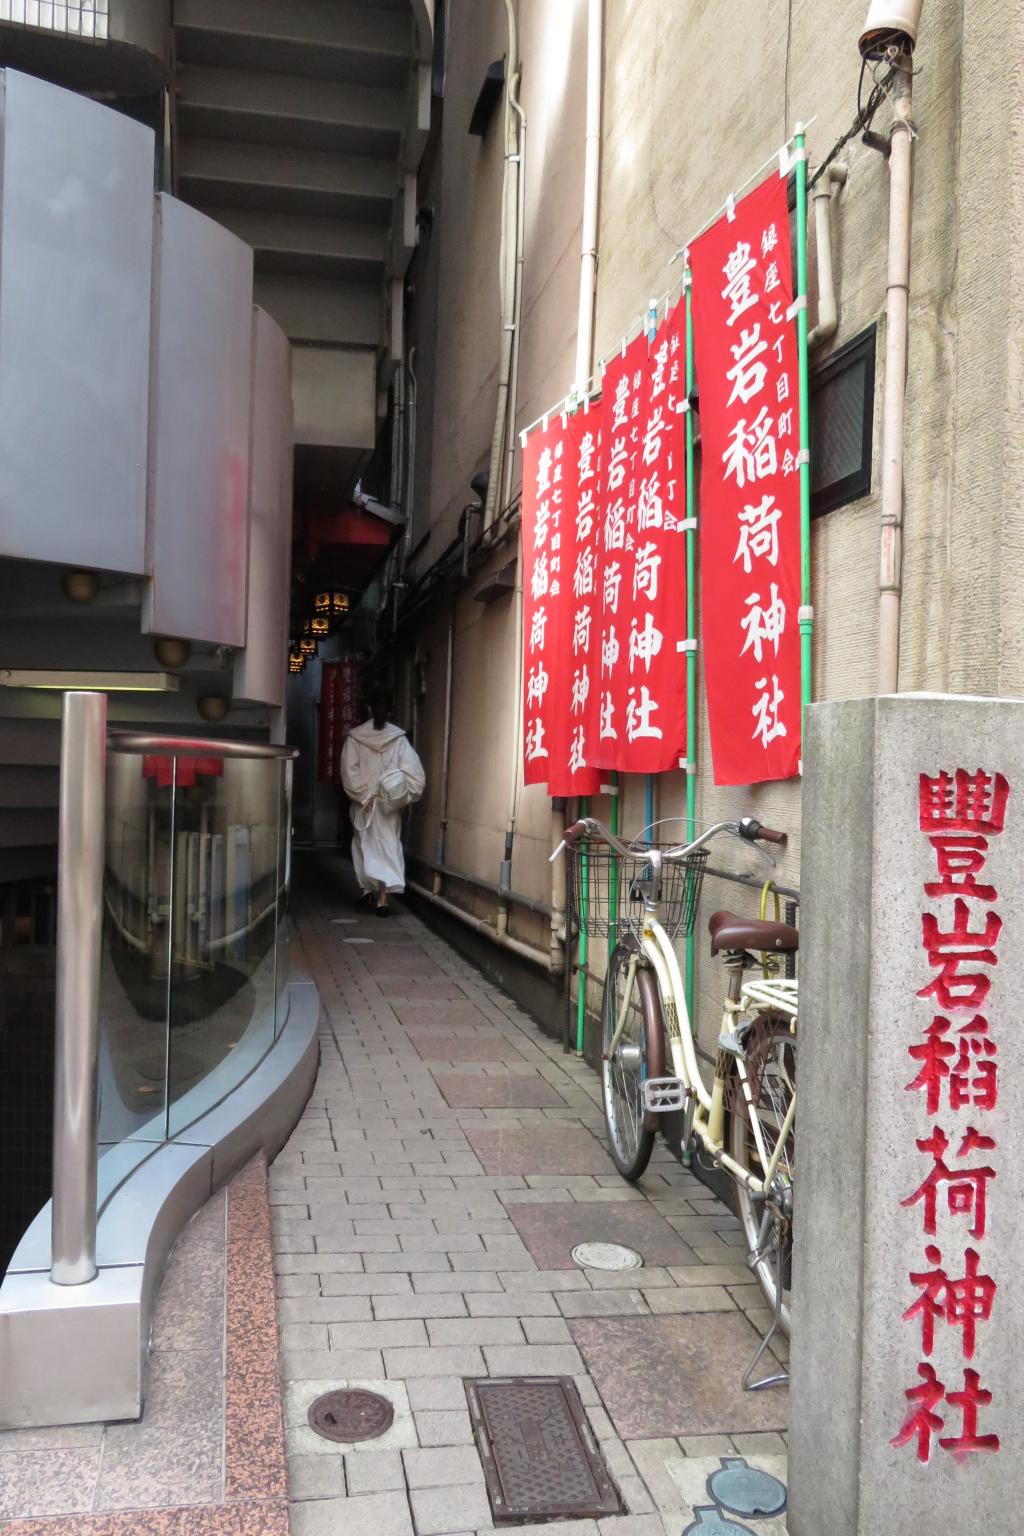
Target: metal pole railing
pixel 79 933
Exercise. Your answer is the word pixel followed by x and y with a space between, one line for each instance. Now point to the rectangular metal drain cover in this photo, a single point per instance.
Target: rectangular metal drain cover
pixel 539 1454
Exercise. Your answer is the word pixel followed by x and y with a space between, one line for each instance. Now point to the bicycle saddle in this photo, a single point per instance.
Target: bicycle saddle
pixel 731 932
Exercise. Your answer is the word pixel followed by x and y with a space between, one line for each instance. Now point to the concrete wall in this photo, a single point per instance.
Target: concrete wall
pixel 695 98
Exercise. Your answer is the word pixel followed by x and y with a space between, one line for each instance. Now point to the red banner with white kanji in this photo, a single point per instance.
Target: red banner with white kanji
pixel 578 620
pixel 747 375
pixel 328 738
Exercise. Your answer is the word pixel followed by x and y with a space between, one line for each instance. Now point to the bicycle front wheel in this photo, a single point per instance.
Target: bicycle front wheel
pixel 771 1066
pixel 639 1053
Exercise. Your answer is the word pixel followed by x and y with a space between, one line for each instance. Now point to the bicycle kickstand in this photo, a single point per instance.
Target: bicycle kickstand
pixel 781 1377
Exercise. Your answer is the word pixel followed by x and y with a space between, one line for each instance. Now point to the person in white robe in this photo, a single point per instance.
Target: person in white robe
pixel 381 774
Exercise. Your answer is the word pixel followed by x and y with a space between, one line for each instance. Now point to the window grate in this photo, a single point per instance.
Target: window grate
pixel 842 422
pixel 76 18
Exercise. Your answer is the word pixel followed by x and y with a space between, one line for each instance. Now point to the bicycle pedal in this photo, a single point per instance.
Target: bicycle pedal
pixel 664 1095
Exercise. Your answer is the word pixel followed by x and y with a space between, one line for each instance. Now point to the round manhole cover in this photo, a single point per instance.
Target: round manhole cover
pixel 351 1414
pixel 606 1256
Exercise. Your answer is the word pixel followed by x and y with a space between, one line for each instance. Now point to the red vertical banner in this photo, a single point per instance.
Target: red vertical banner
pixel 328 740
pixel 346 699
pixel 624 707
pixel 578 619
pixel 747 373
pixel 543 519
pixel 656 664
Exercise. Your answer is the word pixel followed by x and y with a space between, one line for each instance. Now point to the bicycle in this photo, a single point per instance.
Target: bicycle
pixel 644 1002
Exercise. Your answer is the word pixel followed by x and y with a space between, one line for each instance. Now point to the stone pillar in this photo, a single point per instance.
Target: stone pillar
pixel 911 1122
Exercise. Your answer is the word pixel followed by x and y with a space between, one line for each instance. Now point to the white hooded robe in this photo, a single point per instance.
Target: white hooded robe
pixel 369 753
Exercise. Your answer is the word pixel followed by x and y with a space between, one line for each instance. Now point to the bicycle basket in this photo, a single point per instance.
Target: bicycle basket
pixel 600 889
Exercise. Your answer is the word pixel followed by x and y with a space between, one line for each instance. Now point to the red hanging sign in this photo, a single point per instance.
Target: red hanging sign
pixel 328 740
pixel 346 701
pixel 543 581
pixel 579 618
pixel 625 709
pixel 747 372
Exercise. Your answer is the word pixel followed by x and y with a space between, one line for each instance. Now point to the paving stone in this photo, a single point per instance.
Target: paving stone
pixel 691 1298
pixel 323 1309
pixel 305 1364
pixel 439 1283
pixel 533 1359
pixel 385 1514
pixel 439 1467
pixel 440 1361
pixel 431 1305
pixel 511 1090
pixel 447 1392
pixel 546 1330
pixel 552 1231
pixel 443 1427
pixel 378 1335
pixel 537 1149
pixel 405 1263
pixel 476 1330
pixel 364 1285
pixel 609 1303
pixel 443 1511
pixel 527 1304
pixel 316 1477
pixel 662 1376
pixel 372 1471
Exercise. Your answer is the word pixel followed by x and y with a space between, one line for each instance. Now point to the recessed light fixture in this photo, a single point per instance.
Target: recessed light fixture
pixel 90 682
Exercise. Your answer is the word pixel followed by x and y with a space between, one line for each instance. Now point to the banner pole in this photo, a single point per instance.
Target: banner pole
pixel 649 811
pixel 691 629
pixel 581 972
pixel 806 610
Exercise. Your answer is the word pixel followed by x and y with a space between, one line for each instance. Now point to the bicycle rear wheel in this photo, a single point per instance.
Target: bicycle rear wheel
pixel 771 1066
pixel 639 1054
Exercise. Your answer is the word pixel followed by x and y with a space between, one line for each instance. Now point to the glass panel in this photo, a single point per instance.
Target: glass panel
pixel 136 937
pixel 225 917
pixel 284 849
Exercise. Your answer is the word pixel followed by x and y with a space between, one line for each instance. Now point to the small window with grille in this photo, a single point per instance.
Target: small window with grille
pixel 842 419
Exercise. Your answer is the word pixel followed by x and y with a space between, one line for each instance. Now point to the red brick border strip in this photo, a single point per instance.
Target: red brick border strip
pixel 255 1466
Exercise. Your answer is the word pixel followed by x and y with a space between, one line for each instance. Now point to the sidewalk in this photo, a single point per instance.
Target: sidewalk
pixel 424 1215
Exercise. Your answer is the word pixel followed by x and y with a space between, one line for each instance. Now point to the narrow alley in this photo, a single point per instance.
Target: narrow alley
pixel 425 1212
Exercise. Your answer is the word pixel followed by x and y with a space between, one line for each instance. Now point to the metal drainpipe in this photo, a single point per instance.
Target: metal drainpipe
pixel 442 831
pixel 828 308
pixel 897 304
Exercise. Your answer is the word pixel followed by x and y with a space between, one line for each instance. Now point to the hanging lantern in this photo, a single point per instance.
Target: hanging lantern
pixel 296 662
pixel 320 628
pixel 307 647
pixel 322 602
pixel 339 602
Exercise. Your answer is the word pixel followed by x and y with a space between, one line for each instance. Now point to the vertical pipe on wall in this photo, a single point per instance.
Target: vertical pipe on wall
pixel 897 303
pixel 79 943
pixel 691 626
pixel 442 830
pixel 591 195
pixel 806 617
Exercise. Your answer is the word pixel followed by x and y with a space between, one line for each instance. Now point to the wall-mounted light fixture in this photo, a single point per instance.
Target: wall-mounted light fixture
pixel 319 628
pixel 79 586
pixel 296 662
pixel 212 707
pixel 170 652
pixel 307 647
pixel 91 682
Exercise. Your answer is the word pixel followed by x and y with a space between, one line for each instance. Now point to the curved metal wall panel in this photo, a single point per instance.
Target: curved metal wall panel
pixel 75 274
pixel 197 518
pixel 260 669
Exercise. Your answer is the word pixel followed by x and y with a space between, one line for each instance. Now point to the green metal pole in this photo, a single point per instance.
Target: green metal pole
pixel 806 611
pixel 691 632
pixel 581 980
pixel 613 871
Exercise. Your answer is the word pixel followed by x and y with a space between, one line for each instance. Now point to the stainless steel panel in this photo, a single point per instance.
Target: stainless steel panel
pixel 199 429
pixel 75 276
pixel 261 669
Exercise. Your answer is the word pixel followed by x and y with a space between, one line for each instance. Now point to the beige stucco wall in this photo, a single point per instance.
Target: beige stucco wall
pixel 696 96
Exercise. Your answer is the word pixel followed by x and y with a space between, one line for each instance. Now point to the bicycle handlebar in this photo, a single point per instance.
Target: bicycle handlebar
pixel 747 828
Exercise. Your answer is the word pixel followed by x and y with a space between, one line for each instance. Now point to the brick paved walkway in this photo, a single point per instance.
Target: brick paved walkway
pixel 425 1209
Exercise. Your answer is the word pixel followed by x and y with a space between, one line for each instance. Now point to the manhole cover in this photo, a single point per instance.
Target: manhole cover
pixel 539 1456
pixel 606 1256
pixel 351 1414
pixel 744 1490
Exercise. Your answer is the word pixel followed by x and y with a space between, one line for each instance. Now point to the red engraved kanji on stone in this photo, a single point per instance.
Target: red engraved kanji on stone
pixel 959 1303
pixel 966 1188
pixel 960 859
pixel 960 946
pixel 973 1397
pixel 971 1078
pixel 922 1422
pixel 963 802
